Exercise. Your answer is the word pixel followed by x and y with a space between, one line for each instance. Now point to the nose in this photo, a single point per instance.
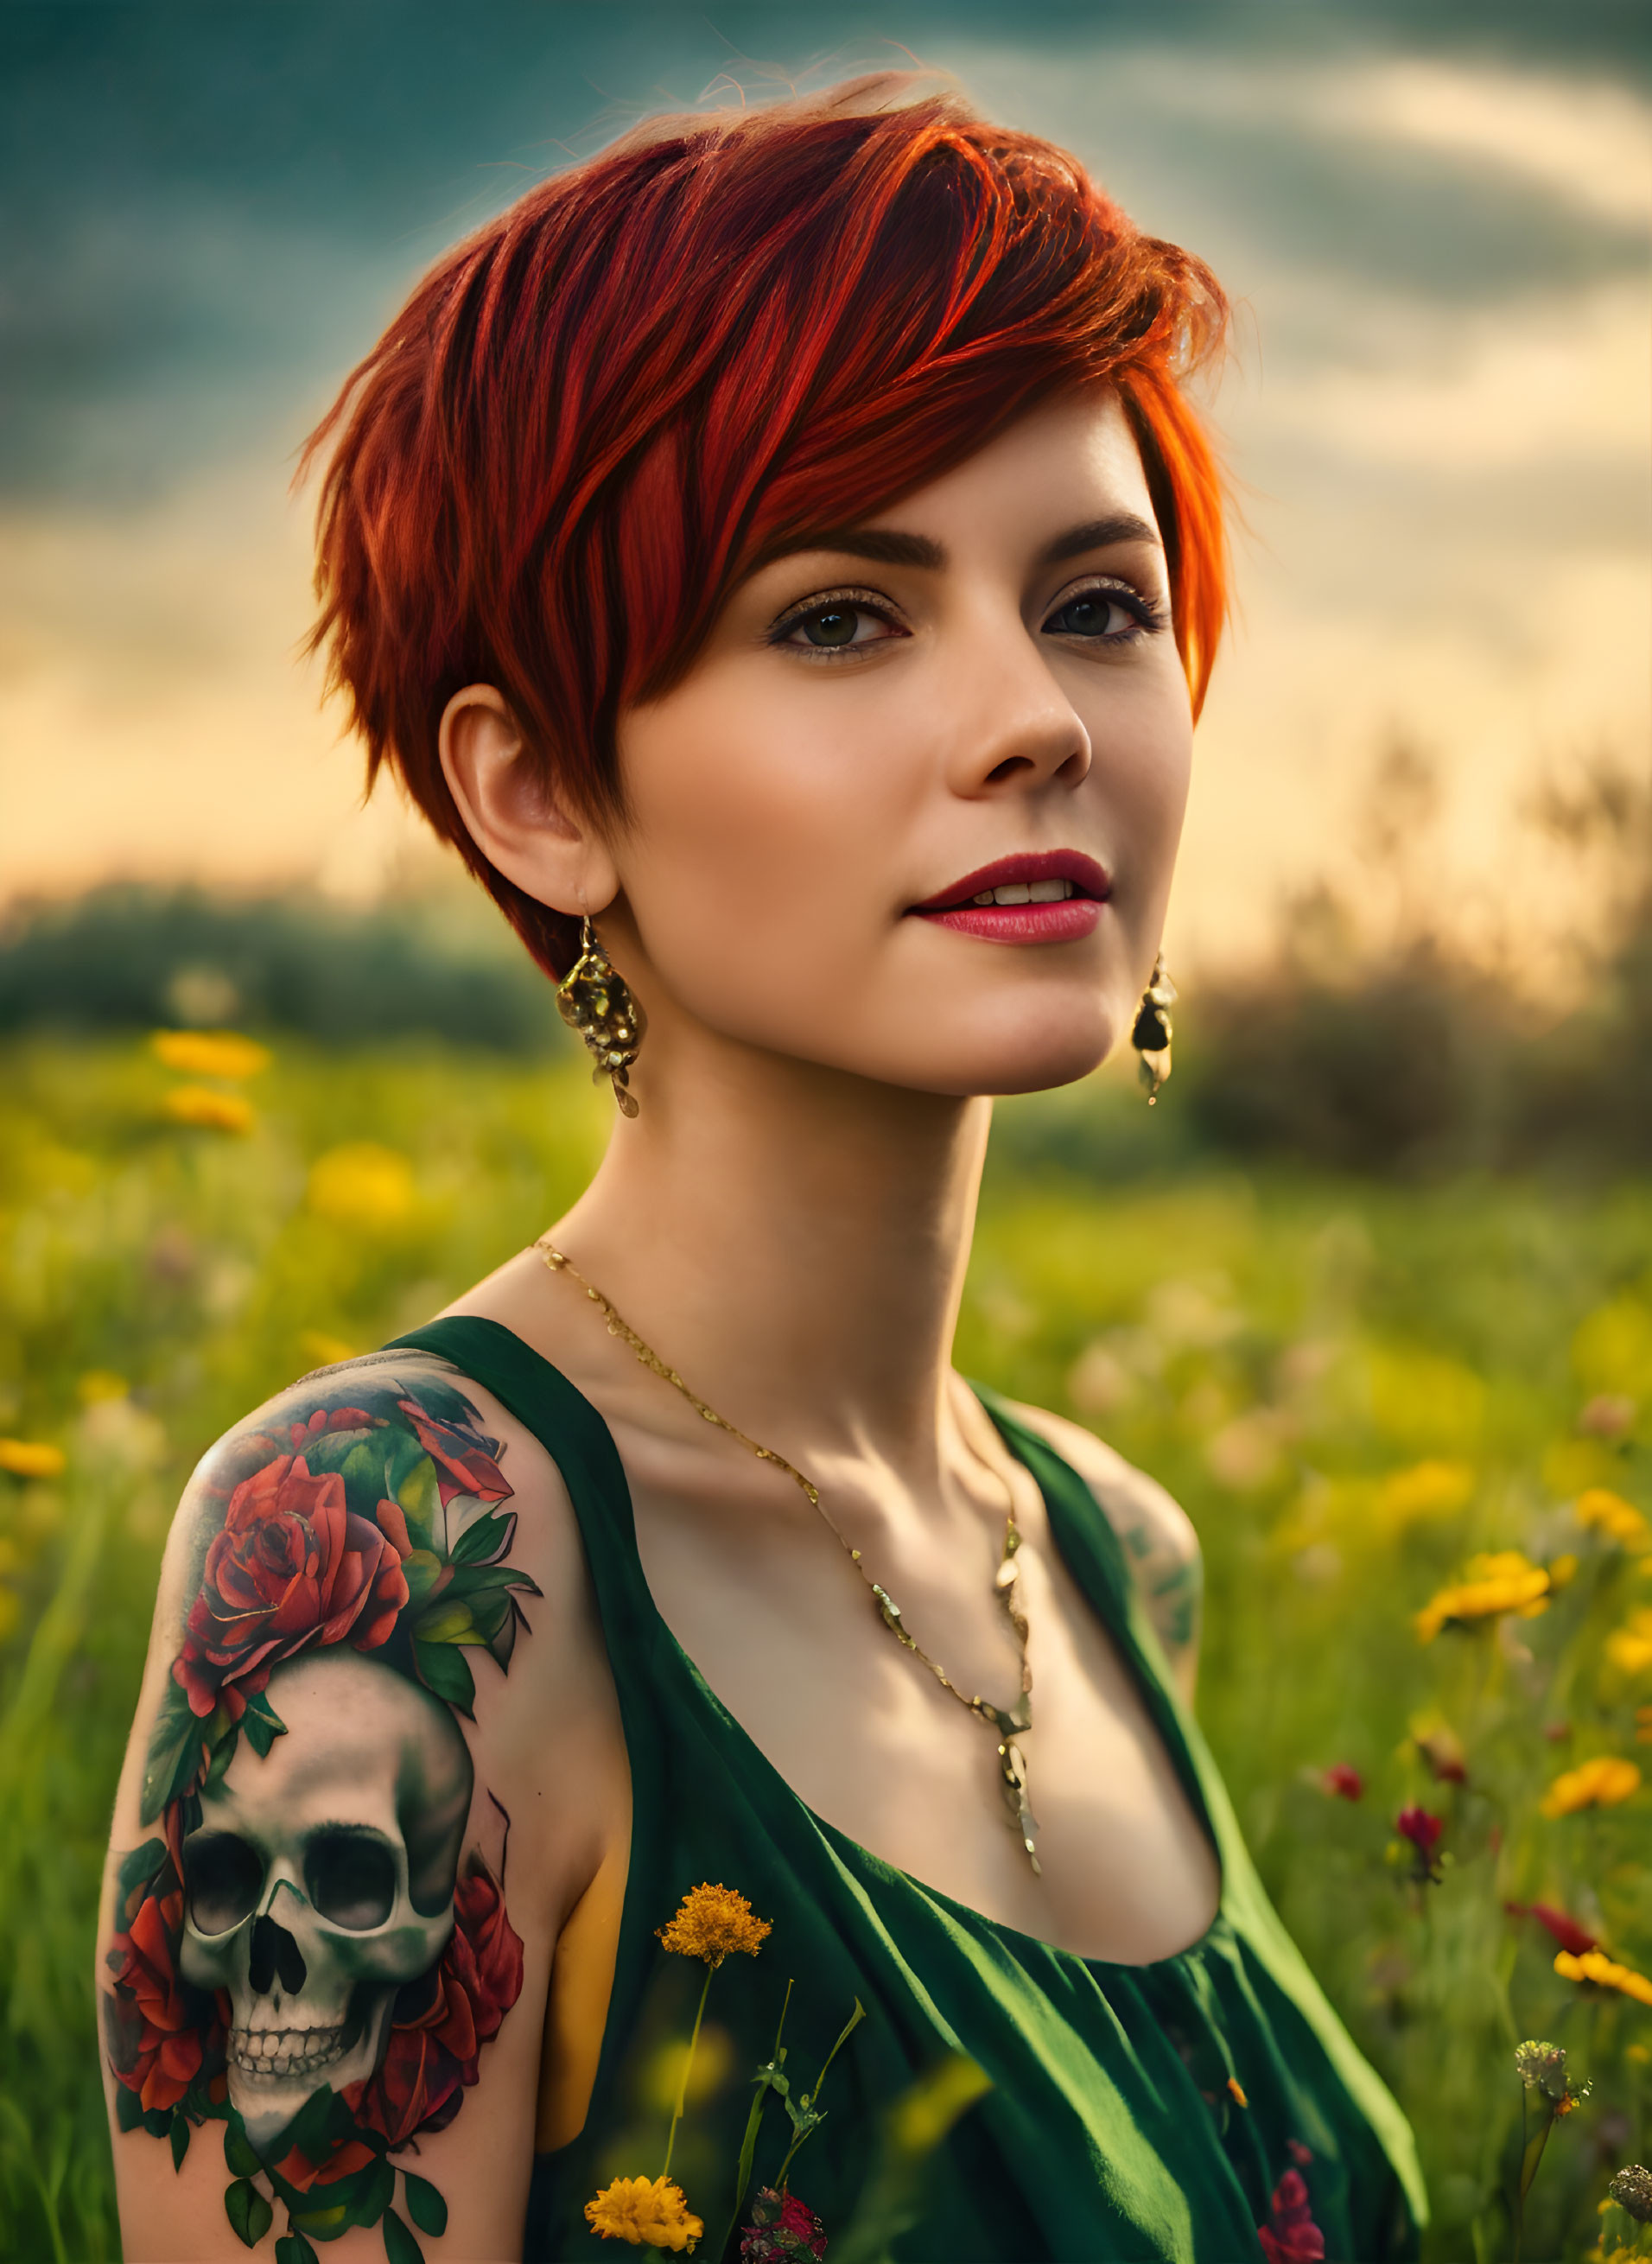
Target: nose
pixel 273 1952
pixel 1016 728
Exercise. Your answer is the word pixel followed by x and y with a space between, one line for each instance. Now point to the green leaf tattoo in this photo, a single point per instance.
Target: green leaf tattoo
pixel 399 2243
pixel 425 2205
pixel 249 2215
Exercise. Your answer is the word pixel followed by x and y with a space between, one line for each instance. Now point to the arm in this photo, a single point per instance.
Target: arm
pixel 1156 1533
pixel 344 1843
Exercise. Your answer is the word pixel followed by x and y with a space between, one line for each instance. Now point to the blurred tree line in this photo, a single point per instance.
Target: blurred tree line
pixel 1396 1049
pixel 1372 1038
pixel 141 958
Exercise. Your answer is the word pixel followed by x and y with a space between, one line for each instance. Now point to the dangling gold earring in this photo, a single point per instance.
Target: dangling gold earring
pixel 1153 1032
pixel 595 1000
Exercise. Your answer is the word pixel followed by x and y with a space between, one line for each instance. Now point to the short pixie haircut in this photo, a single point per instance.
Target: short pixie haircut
pixel 666 366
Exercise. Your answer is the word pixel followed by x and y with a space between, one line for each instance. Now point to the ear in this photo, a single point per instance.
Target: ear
pixel 513 811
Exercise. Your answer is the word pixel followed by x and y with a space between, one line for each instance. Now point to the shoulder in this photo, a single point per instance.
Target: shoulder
pixel 395 1472
pixel 1158 1537
pixel 386 1510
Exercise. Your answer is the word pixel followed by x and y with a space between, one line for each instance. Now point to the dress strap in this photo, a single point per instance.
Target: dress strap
pixel 574 1434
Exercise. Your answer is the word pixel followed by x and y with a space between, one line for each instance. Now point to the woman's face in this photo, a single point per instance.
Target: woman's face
pixel 913 813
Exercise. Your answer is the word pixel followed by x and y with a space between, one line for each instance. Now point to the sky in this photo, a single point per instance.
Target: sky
pixel 1434 222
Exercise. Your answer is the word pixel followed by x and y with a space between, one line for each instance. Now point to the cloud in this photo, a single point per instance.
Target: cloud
pixel 1588 142
pixel 1353 172
pixel 1563 377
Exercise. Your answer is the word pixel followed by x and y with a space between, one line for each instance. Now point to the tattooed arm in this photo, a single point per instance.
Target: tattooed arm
pixel 1156 1534
pixel 376 1767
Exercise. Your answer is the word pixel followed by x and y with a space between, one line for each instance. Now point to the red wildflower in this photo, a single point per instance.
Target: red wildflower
pixel 781 2226
pixel 1290 2235
pixel 1421 1829
pixel 1566 1931
pixel 291 1567
pixel 1343 1783
pixel 154 2046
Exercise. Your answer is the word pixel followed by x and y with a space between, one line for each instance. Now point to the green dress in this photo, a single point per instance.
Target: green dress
pixel 1209 2105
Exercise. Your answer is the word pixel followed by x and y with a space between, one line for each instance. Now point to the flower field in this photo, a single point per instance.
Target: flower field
pixel 1412 1424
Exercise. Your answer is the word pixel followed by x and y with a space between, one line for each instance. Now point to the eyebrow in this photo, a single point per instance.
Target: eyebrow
pixel 889 546
pixel 1099 534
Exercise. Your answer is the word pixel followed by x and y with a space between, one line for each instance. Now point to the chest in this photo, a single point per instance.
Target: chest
pixel 786 1635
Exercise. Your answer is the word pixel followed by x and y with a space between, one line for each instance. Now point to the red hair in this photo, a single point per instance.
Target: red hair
pixel 658 370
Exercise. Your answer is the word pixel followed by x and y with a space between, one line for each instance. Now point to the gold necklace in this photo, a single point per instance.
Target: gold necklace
pixel 1006 1725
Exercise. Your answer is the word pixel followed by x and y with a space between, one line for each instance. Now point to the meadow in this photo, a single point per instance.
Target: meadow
pixel 1411 1423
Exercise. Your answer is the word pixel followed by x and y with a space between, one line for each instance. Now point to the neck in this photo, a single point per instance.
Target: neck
pixel 794 1240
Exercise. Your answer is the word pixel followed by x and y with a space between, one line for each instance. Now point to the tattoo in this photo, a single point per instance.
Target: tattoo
pixel 314 1948
pixel 1171 1584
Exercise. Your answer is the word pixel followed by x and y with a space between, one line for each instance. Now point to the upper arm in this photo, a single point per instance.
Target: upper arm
pixel 344 1844
pixel 1156 1534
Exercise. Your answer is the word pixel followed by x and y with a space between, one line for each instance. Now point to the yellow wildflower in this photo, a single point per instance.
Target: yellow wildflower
pixel 31 1458
pixel 1503 1582
pixel 711 1922
pixel 1603 1782
pixel 219 1112
pixel 648 2212
pixel 361 1185
pixel 99 1384
pixel 1431 1489
pixel 1236 2093
pixel 1610 1513
pixel 209 1053
pixel 1629 1648
pixel 1605 1973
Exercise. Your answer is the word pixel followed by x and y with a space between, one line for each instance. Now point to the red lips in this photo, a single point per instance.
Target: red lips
pixel 1086 875
pixel 1061 921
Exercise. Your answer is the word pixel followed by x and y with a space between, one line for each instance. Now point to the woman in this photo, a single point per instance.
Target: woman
pixel 660 1694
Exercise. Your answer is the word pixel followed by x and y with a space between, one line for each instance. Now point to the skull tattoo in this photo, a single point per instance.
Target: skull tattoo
pixel 321 1878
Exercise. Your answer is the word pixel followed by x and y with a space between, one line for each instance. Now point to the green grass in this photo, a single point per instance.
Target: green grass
pixel 1351 1389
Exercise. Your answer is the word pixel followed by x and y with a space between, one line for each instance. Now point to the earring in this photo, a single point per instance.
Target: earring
pixel 1153 1032
pixel 595 1000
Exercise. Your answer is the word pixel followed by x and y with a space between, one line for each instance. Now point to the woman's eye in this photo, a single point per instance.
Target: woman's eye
pixel 836 627
pixel 1096 613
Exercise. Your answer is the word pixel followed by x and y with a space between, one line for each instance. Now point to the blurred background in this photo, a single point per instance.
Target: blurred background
pixel 1371 1288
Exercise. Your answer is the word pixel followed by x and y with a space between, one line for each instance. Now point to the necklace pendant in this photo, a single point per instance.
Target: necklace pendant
pixel 1012 1722
pixel 1012 1766
pixel 890 1612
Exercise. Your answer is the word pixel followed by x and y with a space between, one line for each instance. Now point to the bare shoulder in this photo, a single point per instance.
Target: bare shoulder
pixel 1157 1535
pixel 388 1506
pixel 344 1844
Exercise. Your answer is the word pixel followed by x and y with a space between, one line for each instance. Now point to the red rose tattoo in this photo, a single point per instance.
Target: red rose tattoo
pixel 293 1566
pixel 154 2045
